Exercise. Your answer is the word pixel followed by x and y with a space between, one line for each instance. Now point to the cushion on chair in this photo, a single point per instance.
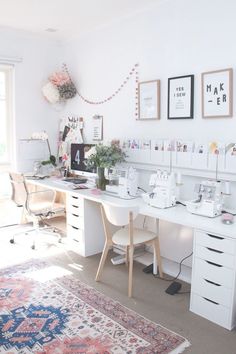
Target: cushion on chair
pixel 121 237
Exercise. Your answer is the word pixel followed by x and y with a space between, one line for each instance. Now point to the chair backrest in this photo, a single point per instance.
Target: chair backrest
pixel 119 215
pixel 19 189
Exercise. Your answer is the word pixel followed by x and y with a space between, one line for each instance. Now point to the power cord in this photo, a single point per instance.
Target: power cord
pixel 178 202
pixel 228 212
pixel 179 272
pixel 141 189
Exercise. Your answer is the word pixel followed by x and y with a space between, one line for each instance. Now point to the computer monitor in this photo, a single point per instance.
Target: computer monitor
pixel 78 158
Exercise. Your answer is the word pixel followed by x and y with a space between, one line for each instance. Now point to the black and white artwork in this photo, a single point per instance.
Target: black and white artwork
pixel 217 93
pixel 180 97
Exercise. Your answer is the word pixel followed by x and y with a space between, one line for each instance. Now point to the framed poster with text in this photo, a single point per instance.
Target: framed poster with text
pixel 217 93
pixel 180 97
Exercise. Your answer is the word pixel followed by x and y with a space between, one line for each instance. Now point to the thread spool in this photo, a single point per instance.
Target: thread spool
pixel 179 179
pixel 227 219
pixel 227 190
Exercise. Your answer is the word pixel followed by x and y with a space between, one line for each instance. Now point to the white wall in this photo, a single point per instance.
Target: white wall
pixel 41 57
pixel 171 38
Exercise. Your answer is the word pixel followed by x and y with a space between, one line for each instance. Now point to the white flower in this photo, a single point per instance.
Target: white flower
pixel 51 93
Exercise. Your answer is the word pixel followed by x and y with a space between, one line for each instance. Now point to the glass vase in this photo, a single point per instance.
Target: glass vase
pixel 101 180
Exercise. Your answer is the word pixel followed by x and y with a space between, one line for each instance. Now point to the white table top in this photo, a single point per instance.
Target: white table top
pixel 178 214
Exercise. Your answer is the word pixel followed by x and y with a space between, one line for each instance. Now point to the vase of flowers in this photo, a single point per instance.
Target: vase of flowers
pixel 103 156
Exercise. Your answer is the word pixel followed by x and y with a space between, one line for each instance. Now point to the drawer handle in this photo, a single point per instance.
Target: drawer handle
pixel 75 197
pixel 214 236
pixel 74 227
pixel 213 250
pixel 213 302
pixel 75 206
pixel 214 264
pixel 75 215
pixel 74 239
pixel 212 282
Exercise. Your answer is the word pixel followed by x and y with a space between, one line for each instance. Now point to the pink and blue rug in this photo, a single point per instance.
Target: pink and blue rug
pixel 66 316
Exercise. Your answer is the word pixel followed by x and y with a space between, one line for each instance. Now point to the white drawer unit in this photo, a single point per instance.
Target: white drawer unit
pixel 213 294
pixel 210 310
pixel 217 242
pixel 75 220
pixel 84 226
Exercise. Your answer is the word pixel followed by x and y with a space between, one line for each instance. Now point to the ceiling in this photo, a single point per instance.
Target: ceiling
pixel 70 18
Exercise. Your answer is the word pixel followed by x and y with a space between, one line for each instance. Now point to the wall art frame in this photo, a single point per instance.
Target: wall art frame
pixel 180 97
pixel 149 100
pixel 217 93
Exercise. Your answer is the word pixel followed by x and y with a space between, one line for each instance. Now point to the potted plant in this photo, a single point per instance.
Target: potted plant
pixel 103 156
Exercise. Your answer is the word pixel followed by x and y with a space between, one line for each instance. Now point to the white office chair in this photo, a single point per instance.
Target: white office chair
pixel 126 236
pixel 36 206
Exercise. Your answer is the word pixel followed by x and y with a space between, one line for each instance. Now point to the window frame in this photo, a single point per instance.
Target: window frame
pixel 8 69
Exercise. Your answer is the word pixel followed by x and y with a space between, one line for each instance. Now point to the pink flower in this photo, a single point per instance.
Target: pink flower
pixel 59 78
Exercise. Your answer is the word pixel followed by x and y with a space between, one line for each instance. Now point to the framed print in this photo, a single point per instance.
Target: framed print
pixel 97 128
pixel 217 90
pixel 149 100
pixel 180 97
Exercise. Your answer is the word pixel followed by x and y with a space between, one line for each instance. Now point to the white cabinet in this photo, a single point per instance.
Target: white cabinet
pixel 84 226
pixel 213 278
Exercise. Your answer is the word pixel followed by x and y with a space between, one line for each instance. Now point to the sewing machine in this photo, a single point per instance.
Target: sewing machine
pixel 209 201
pixel 123 183
pixel 164 190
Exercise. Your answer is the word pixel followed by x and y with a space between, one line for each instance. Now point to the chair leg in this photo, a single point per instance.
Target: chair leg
pixel 127 255
pixel 156 246
pixel 131 261
pixel 102 260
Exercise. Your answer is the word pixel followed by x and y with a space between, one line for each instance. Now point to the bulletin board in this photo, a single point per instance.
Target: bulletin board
pixel 69 132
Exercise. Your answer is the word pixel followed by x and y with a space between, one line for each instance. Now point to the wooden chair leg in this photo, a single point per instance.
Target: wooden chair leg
pixel 102 260
pixel 156 245
pixel 127 255
pixel 131 260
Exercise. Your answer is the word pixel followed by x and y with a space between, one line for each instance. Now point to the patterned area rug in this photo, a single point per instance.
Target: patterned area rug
pixel 42 315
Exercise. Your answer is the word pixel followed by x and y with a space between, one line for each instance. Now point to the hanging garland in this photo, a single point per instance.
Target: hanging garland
pixel 133 71
pixel 61 87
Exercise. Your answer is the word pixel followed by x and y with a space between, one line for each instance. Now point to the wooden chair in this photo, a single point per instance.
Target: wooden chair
pixel 126 236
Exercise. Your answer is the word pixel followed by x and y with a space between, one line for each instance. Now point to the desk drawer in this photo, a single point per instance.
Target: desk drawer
pixel 214 312
pixel 213 291
pixel 75 209
pixel 213 272
pixel 74 199
pixel 215 256
pixel 74 233
pixel 75 220
pixel 215 241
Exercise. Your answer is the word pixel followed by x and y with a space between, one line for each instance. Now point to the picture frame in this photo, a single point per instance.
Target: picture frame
pixel 180 97
pixel 217 93
pixel 97 127
pixel 149 100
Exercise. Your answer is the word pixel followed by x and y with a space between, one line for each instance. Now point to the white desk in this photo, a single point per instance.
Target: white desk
pixel 213 290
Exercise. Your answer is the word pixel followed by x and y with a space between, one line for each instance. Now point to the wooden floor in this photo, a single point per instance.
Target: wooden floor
pixel 149 297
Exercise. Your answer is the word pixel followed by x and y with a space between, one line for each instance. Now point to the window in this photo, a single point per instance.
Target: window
pixel 6 72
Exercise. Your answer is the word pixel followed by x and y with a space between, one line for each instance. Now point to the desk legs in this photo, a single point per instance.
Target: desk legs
pixel 156 253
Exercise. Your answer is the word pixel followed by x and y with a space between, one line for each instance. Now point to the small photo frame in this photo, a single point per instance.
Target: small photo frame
pixel 149 100
pixel 180 97
pixel 97 128
pixel 217 91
